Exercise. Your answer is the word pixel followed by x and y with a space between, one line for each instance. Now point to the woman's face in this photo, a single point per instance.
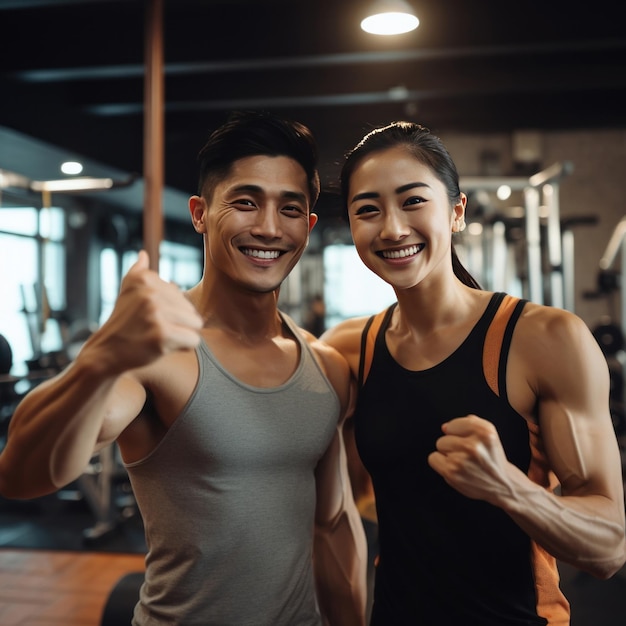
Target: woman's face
pixel 401 218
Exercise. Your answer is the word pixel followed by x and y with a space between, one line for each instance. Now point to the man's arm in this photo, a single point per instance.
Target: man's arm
pixel 566 370
pixel 340 548
pixel 346 339
pixel 59 425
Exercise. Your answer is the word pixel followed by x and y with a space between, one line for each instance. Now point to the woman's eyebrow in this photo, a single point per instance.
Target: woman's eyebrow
pixel 408 186
pixel 366 195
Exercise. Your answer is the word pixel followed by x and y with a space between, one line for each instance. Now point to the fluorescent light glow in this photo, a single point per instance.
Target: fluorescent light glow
pixel 391 22
pixel 475 228
pixel 71 167
pixel 503 192
pixel 72 184
pixel 10 179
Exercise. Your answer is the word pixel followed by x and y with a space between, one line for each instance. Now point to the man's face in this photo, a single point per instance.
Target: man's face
pixel 258 221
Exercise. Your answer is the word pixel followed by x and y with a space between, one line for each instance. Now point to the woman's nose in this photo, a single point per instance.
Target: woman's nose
pixel 394 226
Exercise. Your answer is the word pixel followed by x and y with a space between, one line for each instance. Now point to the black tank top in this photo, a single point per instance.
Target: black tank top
pixel 445 559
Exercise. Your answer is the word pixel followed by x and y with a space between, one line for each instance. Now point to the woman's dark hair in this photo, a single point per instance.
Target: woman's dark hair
pixel 426 148
pixel 253 133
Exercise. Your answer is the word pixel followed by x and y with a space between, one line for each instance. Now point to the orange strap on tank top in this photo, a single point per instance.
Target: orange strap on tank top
pixel 491 350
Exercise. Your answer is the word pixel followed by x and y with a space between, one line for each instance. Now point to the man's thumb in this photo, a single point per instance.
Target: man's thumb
pixel 142 262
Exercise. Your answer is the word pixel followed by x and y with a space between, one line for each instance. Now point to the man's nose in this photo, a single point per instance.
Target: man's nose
pixel 267 224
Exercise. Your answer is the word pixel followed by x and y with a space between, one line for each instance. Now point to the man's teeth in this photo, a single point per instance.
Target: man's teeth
pixel 400 254
pixel 262 254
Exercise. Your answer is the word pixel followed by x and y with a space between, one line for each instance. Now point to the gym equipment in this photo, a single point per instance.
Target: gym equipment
pixel 8 395
pixel 610 337
pixel 542 269
pixel 6 355
pixel 609 333
pixel 567 238
pixel 121 602
pixel 105 486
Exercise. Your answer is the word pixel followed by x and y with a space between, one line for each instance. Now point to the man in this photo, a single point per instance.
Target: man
pixel 228 417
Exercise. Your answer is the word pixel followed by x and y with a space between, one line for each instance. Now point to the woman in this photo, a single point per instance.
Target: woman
pixel 484 419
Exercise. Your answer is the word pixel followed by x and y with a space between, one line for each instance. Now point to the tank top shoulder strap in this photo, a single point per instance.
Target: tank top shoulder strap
pixel 368 341
pixel 498 340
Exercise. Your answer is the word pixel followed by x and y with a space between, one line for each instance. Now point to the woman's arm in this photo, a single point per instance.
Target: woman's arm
pixel 559 361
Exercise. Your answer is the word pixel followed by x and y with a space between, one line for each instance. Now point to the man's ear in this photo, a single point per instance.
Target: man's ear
pixel 197 208
pixel 313 217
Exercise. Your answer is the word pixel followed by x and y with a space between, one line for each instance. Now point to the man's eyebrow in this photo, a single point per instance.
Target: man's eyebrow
pixel 295 195
pixel 250 188
pixel 373 194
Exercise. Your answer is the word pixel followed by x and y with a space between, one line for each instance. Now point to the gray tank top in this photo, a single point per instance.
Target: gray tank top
pixel 228 501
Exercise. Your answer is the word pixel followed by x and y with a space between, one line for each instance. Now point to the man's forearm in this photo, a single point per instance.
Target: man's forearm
pixel 52 434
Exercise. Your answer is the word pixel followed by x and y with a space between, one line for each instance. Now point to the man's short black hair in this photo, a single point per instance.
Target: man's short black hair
pixel 253 133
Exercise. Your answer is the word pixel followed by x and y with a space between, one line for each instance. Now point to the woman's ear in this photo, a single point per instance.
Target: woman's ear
pixel 458 214
pixel 197 207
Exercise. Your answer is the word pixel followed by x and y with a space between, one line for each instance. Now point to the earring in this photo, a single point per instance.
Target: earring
pixel 459 225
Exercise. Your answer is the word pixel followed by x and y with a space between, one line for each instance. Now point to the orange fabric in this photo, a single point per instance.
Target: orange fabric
pixel 370 341
pixel 551 603
pixel 493 341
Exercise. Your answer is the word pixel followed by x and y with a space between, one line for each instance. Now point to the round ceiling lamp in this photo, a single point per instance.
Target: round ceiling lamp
pixel 390 17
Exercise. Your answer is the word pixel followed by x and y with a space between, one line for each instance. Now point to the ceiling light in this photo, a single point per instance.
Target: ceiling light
pixel 503 192
pixel 71 167
pixel 86 183
pixel 72 184
pixel 390 17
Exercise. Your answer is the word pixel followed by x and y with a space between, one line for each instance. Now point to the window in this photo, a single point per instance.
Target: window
pixel 32 282
pixel 179 263
pixel 351 289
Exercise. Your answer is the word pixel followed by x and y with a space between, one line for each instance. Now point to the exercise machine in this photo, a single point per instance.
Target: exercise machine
pixel 523 253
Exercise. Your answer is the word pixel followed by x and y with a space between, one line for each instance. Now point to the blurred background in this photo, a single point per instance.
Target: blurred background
pixel 529 97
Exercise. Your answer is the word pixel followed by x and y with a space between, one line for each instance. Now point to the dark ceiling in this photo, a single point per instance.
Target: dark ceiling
pixel 72 72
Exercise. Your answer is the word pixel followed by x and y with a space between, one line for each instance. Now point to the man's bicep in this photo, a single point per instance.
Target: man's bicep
pixel 332 482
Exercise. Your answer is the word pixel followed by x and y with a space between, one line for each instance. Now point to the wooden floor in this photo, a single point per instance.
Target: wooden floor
pixel 56 588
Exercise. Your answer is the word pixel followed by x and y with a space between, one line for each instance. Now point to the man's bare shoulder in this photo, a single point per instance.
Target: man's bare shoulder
pixel 321 349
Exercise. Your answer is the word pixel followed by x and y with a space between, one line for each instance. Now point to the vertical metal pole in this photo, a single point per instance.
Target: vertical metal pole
pixel 43 308
pixel 551 200
pixel 487 256
pixel 568 270
pixel 499 257
pixel 533 242
pixel 623 289
pixel 153 131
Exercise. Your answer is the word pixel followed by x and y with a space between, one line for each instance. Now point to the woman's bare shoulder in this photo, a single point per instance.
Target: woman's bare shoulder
pixel 346 334
pixel 554 335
